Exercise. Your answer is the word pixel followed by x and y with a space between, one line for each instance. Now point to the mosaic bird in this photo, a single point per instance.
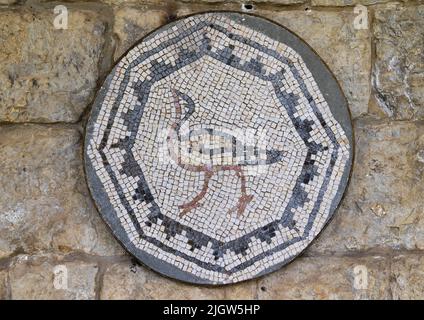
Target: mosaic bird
pixel 210 150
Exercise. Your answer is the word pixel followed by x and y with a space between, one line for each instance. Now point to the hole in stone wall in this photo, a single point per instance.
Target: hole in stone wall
pixel 171 17
pixel 247 7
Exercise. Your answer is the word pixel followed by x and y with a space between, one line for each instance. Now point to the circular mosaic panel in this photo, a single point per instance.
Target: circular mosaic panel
pixel 218 148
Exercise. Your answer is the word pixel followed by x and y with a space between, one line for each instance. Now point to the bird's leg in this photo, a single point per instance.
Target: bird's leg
pixel 245 198
pixel 187 207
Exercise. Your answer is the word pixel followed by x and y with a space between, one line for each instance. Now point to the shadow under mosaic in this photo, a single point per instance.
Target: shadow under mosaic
pixel 218 148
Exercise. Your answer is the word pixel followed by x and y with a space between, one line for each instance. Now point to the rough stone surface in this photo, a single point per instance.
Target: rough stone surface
pixel 383 206
pixel 399 66
pixel 46 74
pixel 206 2
pixel 134 2
pixel 126 281
pixel 278 1
pixel 346 51
pixel 6 2
pixel 131 24
pixel 3 284
pixel 252 2
pixel 340 3
pixel 242 291
pixel 408 277
pixel 46 277
pixel 329 278
pixel 44 200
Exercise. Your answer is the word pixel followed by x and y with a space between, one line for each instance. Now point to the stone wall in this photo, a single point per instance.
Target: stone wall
pixel 53 243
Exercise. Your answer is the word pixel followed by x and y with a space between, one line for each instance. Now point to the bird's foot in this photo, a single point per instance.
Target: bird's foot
pixel 187 207
pixel 241 205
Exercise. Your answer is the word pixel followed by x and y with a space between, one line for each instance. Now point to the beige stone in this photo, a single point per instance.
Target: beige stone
pixel 329 278
pixel 183 9
pixel 249 2
pixel 126 281
pixel 383 207
pixel 201 2
pixel 6 2
pixel 47 74
pixel 132 24
pixel 276 1
pixel 408 277
pixel 399 67
pixel 47 277
pixel 247 290
pixel 340 3
pixel 3 285
pixel 44 200
pixel 136 2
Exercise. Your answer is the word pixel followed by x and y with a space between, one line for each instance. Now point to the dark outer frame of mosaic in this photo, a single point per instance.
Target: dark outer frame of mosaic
pixel 326 82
